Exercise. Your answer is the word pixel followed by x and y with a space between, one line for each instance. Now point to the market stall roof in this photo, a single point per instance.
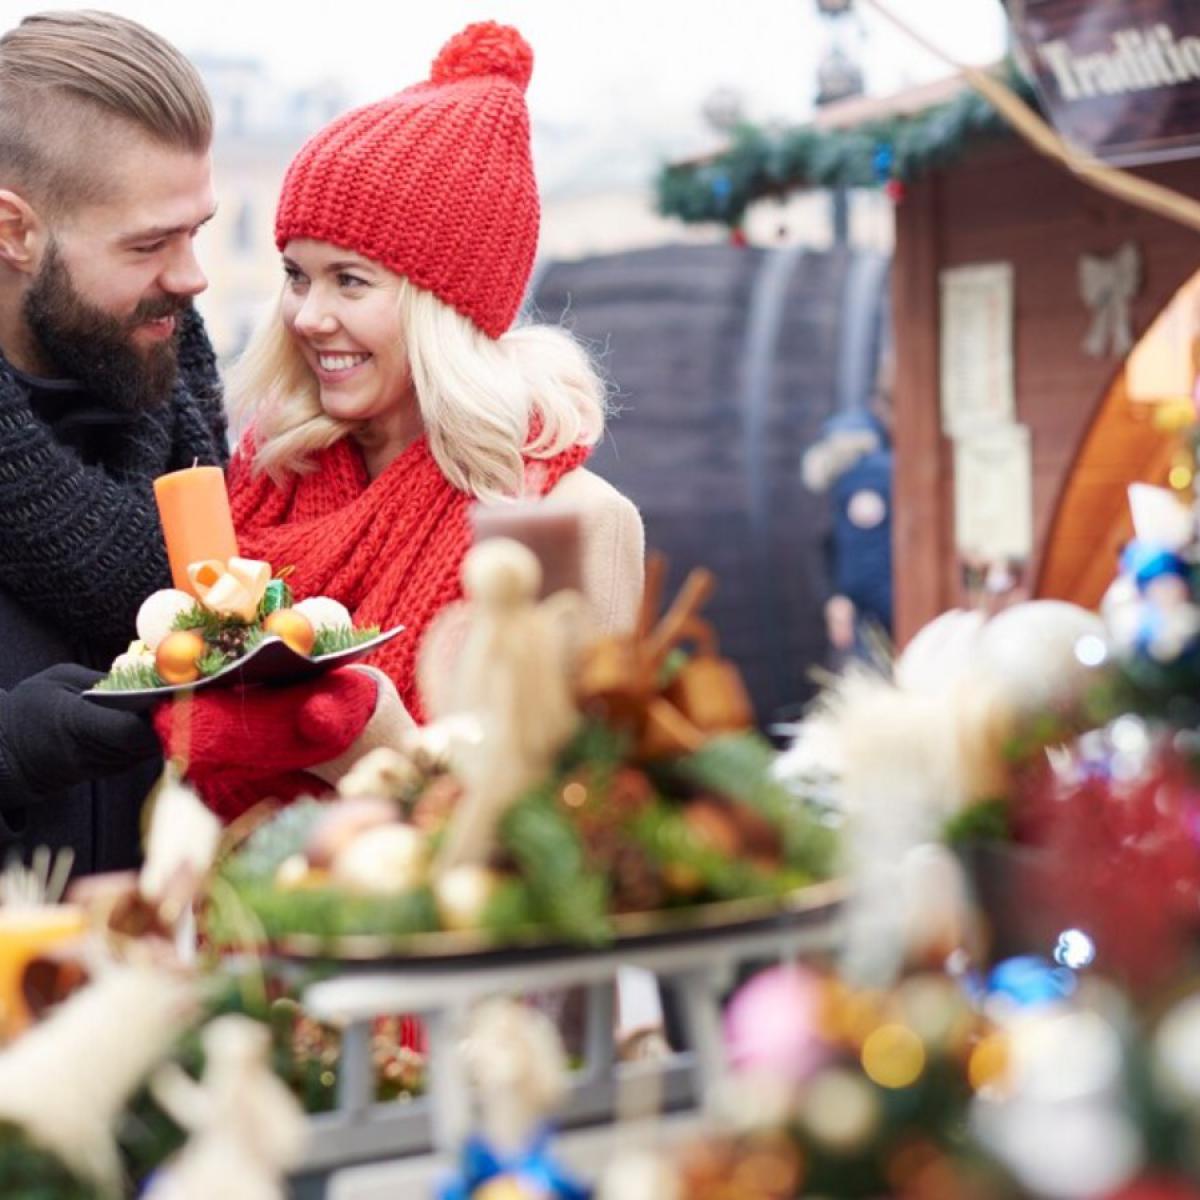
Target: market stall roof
pixel 863 142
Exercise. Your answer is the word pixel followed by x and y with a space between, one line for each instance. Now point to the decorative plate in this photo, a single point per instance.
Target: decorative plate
pixel 687 923
pixel 272 661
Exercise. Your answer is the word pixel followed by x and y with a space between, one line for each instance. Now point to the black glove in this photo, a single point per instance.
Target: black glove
pixel 52 737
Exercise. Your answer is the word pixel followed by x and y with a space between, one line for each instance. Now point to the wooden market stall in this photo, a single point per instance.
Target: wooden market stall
pixel 1006 204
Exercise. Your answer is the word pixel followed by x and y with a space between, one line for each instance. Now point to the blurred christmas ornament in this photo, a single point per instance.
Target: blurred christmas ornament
pixel 772 1024
pixel 385 860
pixel 245 1128
pixel 518 1069
pixel 65 1082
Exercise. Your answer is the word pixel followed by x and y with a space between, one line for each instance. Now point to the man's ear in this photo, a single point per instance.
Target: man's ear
pixel 22 234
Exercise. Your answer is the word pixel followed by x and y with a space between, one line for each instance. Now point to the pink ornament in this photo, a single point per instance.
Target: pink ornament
pixel 772 1024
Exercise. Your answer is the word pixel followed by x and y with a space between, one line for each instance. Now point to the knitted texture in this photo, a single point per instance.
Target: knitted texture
pixel 390 550
pixel 436 182
pixel 241 747
pixel 80 540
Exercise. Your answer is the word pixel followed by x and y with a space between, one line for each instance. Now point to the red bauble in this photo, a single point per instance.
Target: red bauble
pixel 895 190
pixel 737 237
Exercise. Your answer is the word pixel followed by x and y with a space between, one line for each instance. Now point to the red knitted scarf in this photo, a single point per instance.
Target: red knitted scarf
pixel 390 549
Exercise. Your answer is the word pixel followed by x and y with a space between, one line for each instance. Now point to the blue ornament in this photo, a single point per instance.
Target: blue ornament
pixel 1030 980
pixel 881 161
pixel 479 1163
pixel 1145 562
pixel 721 187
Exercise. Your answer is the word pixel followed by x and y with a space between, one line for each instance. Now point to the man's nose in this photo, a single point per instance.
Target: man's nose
pixel 183 276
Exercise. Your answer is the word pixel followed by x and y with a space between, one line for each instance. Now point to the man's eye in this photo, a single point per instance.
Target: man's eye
pixel 152 248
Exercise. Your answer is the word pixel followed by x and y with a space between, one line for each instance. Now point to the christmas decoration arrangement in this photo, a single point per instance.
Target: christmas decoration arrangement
pixel 234 612
pixel 566 786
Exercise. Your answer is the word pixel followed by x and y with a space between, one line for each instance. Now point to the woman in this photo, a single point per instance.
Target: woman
pixel 389 393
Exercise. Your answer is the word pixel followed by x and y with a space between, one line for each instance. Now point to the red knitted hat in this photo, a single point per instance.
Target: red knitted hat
pixel 436 182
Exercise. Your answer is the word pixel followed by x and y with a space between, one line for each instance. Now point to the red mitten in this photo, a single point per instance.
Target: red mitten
pixel 249 744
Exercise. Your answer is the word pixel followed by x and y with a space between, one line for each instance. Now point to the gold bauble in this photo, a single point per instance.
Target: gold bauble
pixel 293 627
pixel 507 1187
pixel 177 659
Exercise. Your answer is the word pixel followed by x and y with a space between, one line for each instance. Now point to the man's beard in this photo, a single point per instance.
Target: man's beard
pixel 84 343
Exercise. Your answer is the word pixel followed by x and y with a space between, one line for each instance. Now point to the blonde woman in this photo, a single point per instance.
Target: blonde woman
pixel 389 392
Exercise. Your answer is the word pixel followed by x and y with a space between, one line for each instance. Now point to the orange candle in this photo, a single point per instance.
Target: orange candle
pixel 196 521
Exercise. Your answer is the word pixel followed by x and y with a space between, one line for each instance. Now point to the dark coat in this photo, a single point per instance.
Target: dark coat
pixel 80 548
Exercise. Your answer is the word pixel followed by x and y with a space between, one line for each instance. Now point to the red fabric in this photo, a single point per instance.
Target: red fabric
pixel 390 550
pixel 435 182
pixel 243 746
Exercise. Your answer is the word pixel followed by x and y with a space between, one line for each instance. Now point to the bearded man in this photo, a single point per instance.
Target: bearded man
pixel 107 380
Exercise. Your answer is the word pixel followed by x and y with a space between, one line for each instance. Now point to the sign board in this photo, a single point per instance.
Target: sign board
pixel 1120 78
pixel 976 347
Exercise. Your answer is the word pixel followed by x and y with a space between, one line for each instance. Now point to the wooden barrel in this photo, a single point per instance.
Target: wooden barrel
pixel 726 361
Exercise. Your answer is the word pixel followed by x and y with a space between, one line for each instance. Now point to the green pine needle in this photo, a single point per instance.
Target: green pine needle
pixel 333 639
pixel 214 661
pixel 130 679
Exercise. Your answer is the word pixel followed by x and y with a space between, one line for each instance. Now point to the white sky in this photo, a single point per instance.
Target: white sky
pixel 637 70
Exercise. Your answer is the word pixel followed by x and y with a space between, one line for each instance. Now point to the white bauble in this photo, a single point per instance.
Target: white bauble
pixel 386 860
pixel 138 655
pixel 1030 649
pixel 156 617
pixel 462 893
pixel 324 613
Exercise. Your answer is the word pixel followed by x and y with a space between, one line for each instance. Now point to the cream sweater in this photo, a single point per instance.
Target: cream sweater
pixel 613 550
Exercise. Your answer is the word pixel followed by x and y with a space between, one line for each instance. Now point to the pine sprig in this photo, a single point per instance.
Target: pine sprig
pixel 209 625
pixel 739 766
pixel 567 897
pixel 668 839
pixel 130 679
pixel 212 662
pixel 332 639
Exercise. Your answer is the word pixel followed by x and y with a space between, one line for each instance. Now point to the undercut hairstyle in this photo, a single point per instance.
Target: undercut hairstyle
pixel 72 84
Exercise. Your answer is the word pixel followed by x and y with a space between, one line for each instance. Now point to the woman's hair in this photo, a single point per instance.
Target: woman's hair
pixel 484 402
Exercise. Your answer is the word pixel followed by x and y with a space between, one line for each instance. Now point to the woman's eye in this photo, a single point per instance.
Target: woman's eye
pixel 294 276
pixel 345 280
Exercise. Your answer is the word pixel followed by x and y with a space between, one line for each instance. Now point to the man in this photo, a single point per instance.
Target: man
pixel 107 380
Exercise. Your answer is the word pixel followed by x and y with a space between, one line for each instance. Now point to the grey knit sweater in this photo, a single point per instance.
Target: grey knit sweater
pixel 80 542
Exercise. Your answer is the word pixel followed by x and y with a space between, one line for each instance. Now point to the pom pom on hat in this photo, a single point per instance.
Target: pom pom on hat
pixel 485 48
pixel 434 183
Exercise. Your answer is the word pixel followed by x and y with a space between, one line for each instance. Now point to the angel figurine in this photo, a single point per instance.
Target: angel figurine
pixel 246 1128
pixel 518 1068
pixel 505 660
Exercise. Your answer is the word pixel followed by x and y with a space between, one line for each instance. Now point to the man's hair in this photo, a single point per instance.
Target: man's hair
pixel 68 80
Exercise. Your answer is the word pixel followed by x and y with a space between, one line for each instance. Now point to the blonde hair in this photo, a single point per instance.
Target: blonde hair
pixel 68 79
pixel 484 402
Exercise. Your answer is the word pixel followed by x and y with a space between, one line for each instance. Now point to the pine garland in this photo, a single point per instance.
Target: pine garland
pixel 761 163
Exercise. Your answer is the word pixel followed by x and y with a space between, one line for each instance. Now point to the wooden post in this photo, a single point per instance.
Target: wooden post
pixel 923 564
